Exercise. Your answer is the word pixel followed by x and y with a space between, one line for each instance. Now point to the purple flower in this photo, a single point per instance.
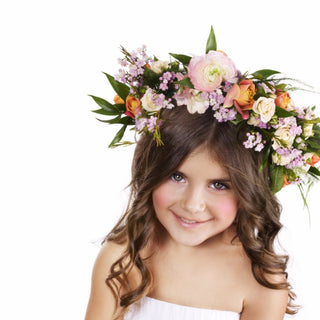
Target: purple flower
pixel 225 114
pixel 140 122
pixel 152 123
pixel 254 141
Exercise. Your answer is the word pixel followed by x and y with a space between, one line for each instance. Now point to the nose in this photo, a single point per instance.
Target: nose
pixel 194 200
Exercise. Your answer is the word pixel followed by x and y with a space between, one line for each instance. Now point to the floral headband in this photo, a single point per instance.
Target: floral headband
pixel 288 135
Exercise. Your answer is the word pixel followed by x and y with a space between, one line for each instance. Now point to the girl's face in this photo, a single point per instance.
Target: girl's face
pixel 197 201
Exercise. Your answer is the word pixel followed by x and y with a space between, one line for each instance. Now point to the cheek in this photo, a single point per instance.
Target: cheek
pixel 160 197
pixel 228 207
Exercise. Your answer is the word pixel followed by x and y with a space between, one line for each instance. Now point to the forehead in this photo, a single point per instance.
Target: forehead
pixel 204 162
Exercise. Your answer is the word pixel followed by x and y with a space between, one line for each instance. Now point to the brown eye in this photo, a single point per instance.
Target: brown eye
pixel 218 185
pixel 177 177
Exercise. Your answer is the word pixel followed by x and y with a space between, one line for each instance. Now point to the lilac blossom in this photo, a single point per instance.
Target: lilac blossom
pixel 225 114
pixel 167 77
pixel 254 141
pixel 152 123
pixel 140 122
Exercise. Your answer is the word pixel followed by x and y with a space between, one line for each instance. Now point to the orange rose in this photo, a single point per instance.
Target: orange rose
pixel 286 182
pixel 315 159
pixel 118 100
pixel 241 96
pixel 132 106
pixel 247 92
pixel 283 100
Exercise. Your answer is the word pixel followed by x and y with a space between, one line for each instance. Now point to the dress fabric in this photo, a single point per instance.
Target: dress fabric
pixel 153 309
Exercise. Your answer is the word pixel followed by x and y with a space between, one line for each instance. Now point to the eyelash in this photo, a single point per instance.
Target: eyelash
pixel 216 185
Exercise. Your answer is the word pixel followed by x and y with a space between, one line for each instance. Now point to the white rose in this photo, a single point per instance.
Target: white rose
pixel 265 107
pixel 307 130
pixel 281 160
pixel 282 134
pixel 147 102
pixel 159 66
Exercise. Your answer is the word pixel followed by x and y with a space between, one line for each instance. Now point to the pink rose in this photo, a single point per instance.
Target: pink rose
pixel 207 72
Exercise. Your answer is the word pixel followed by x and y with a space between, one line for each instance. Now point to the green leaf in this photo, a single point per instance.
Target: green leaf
pixel 211 42
pixel 313 144
pixel 104 112
pixel 181 57
pixel 118 137
pixel 151 77
pixel 121 107
pixel 265 158
pixel 120 88
pixel 186 83
pixel 282 113
pixel 119 120
pixel 314 121
pixel 314 171
pixel 123 143
pixel 282 86
pixel 277 178
pixel 264 73
pixel 107 106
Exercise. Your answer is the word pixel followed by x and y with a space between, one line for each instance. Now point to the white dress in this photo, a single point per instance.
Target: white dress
pixel 153 309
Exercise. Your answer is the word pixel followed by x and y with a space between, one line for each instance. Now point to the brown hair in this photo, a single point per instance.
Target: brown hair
pixel 258 217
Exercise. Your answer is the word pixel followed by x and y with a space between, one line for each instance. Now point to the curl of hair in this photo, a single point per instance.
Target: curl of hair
pixel 258 217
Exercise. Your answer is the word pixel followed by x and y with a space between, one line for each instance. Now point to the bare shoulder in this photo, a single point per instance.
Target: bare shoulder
pixel 102 302
pixel 258 301
pixel 264 303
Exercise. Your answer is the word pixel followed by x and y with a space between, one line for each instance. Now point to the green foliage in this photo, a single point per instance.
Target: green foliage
pixel 108 108
pixel 120 88
pixel 151 77
pixel 182 58
pixel 265 159
pixel 186 83
pixel 264 73
pixel 211 42
pixel 282 113
pixel 118 137
pixel 277 178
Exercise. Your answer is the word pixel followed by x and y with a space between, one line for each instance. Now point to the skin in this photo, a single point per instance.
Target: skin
pixel 198 262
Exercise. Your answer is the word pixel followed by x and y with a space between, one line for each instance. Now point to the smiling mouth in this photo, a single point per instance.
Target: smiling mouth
pixel 187 222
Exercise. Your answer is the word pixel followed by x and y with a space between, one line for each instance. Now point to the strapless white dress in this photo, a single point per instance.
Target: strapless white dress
pixel 153 309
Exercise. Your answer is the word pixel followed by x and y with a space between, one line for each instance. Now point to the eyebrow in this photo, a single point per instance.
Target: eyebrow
pixel 221 179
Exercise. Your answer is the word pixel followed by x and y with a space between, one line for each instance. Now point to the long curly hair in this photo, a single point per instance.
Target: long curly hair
pixel 258 216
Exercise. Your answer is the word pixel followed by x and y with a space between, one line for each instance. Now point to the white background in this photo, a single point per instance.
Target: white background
pixel 61 187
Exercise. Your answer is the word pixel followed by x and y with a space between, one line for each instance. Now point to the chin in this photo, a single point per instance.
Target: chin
pixel 191 241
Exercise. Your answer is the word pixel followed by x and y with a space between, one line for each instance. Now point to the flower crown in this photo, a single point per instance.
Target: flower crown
pixel 288 135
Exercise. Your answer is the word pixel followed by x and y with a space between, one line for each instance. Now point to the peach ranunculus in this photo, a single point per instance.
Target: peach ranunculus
pixel 314 159
pixel 241 96
pixel 209 71
pixel 132 106
pixel 118 100
pixel 283 100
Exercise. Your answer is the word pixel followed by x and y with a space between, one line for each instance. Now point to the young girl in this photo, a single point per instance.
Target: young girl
pixel 197 239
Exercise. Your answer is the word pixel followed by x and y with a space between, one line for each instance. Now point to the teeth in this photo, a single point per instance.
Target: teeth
pixel 187 221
